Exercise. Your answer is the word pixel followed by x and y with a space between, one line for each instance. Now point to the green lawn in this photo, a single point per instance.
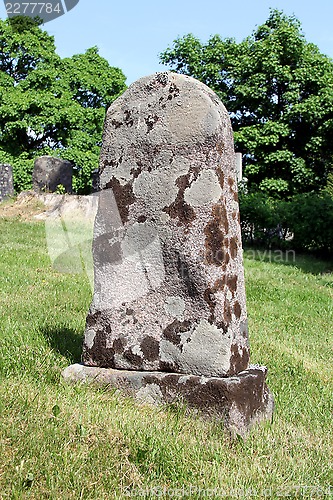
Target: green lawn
pixel 73 442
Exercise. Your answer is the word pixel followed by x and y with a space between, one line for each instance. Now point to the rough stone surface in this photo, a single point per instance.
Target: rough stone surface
pixel 239 401
pixel 50 172
pixel 169 282
pixel 6 181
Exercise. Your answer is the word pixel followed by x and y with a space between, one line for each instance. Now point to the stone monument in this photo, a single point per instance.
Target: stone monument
pixel 6 181
pixel 168 318
pixel 49 173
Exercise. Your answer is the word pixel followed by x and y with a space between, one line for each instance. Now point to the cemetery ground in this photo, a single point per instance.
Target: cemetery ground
pixel 62 441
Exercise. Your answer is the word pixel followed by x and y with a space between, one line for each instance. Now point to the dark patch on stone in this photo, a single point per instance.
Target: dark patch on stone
pixel 173 91
pixel 214 244
pixel 185 276
pixel 220 176
pixel 166 366
pixel 231 182
pixel 135 172
pixel 105 253
pixel 227 312
pixel 211 301
pixel 219 213
pixel 215 395
pixel 94 319
pixel 222 326
pixel 232 284
pixel 162 103
pixel 134 359
pixel 162 78
pixel 129 312
pixel 124 197
pixel 150 348
pixel 116 123
pixel 118 346
pixel 233 247
pixel 179 208
pixel 219 284
pixel 209 296
pixel 150 122
pixel 98 354
pixel 142 218
pixel 236 196
pixel 172 331
pixel 128 119
pixel 239 360
pixel 220 148
pixel 237 310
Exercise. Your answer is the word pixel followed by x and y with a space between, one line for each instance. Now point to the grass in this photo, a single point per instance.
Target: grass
pixel 73 442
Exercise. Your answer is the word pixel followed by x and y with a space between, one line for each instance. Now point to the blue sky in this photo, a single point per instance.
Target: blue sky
pixel 130 34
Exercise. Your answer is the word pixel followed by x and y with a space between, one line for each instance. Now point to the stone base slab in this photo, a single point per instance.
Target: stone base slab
pixel 239 401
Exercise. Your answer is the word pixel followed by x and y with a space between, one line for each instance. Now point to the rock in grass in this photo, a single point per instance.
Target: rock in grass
pixel 169 292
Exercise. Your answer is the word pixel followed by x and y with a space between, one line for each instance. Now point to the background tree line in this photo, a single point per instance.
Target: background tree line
pixel 50 105
pixel 277 87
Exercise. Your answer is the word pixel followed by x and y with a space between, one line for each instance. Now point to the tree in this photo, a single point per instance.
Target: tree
pixel 278 89
pixel 50 105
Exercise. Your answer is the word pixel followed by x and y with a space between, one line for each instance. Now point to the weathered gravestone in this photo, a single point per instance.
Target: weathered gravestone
pixel 168 318
pixel 49 173
pixel 6 181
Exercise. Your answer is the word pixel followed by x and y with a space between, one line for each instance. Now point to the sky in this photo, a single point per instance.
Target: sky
pixel 131 35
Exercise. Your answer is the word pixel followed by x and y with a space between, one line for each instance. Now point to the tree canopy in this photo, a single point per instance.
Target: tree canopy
pixel 50 105
pixel 278 89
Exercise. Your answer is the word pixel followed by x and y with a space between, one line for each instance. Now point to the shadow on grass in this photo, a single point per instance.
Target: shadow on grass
pixel 66 342
pixel 307 263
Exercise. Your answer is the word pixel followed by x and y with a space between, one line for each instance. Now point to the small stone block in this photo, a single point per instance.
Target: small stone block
pixel 6 181
pixel 239 401
pixel 50 173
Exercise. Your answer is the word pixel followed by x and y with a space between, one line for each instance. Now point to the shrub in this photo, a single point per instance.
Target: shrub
pixel 311 218
pixel 305 222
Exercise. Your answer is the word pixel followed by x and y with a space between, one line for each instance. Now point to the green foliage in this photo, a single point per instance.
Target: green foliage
pixel 50 105
pixel 278 89
pixel 312 222
pixel 329 184
pixel 61 189
pixel 305 222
